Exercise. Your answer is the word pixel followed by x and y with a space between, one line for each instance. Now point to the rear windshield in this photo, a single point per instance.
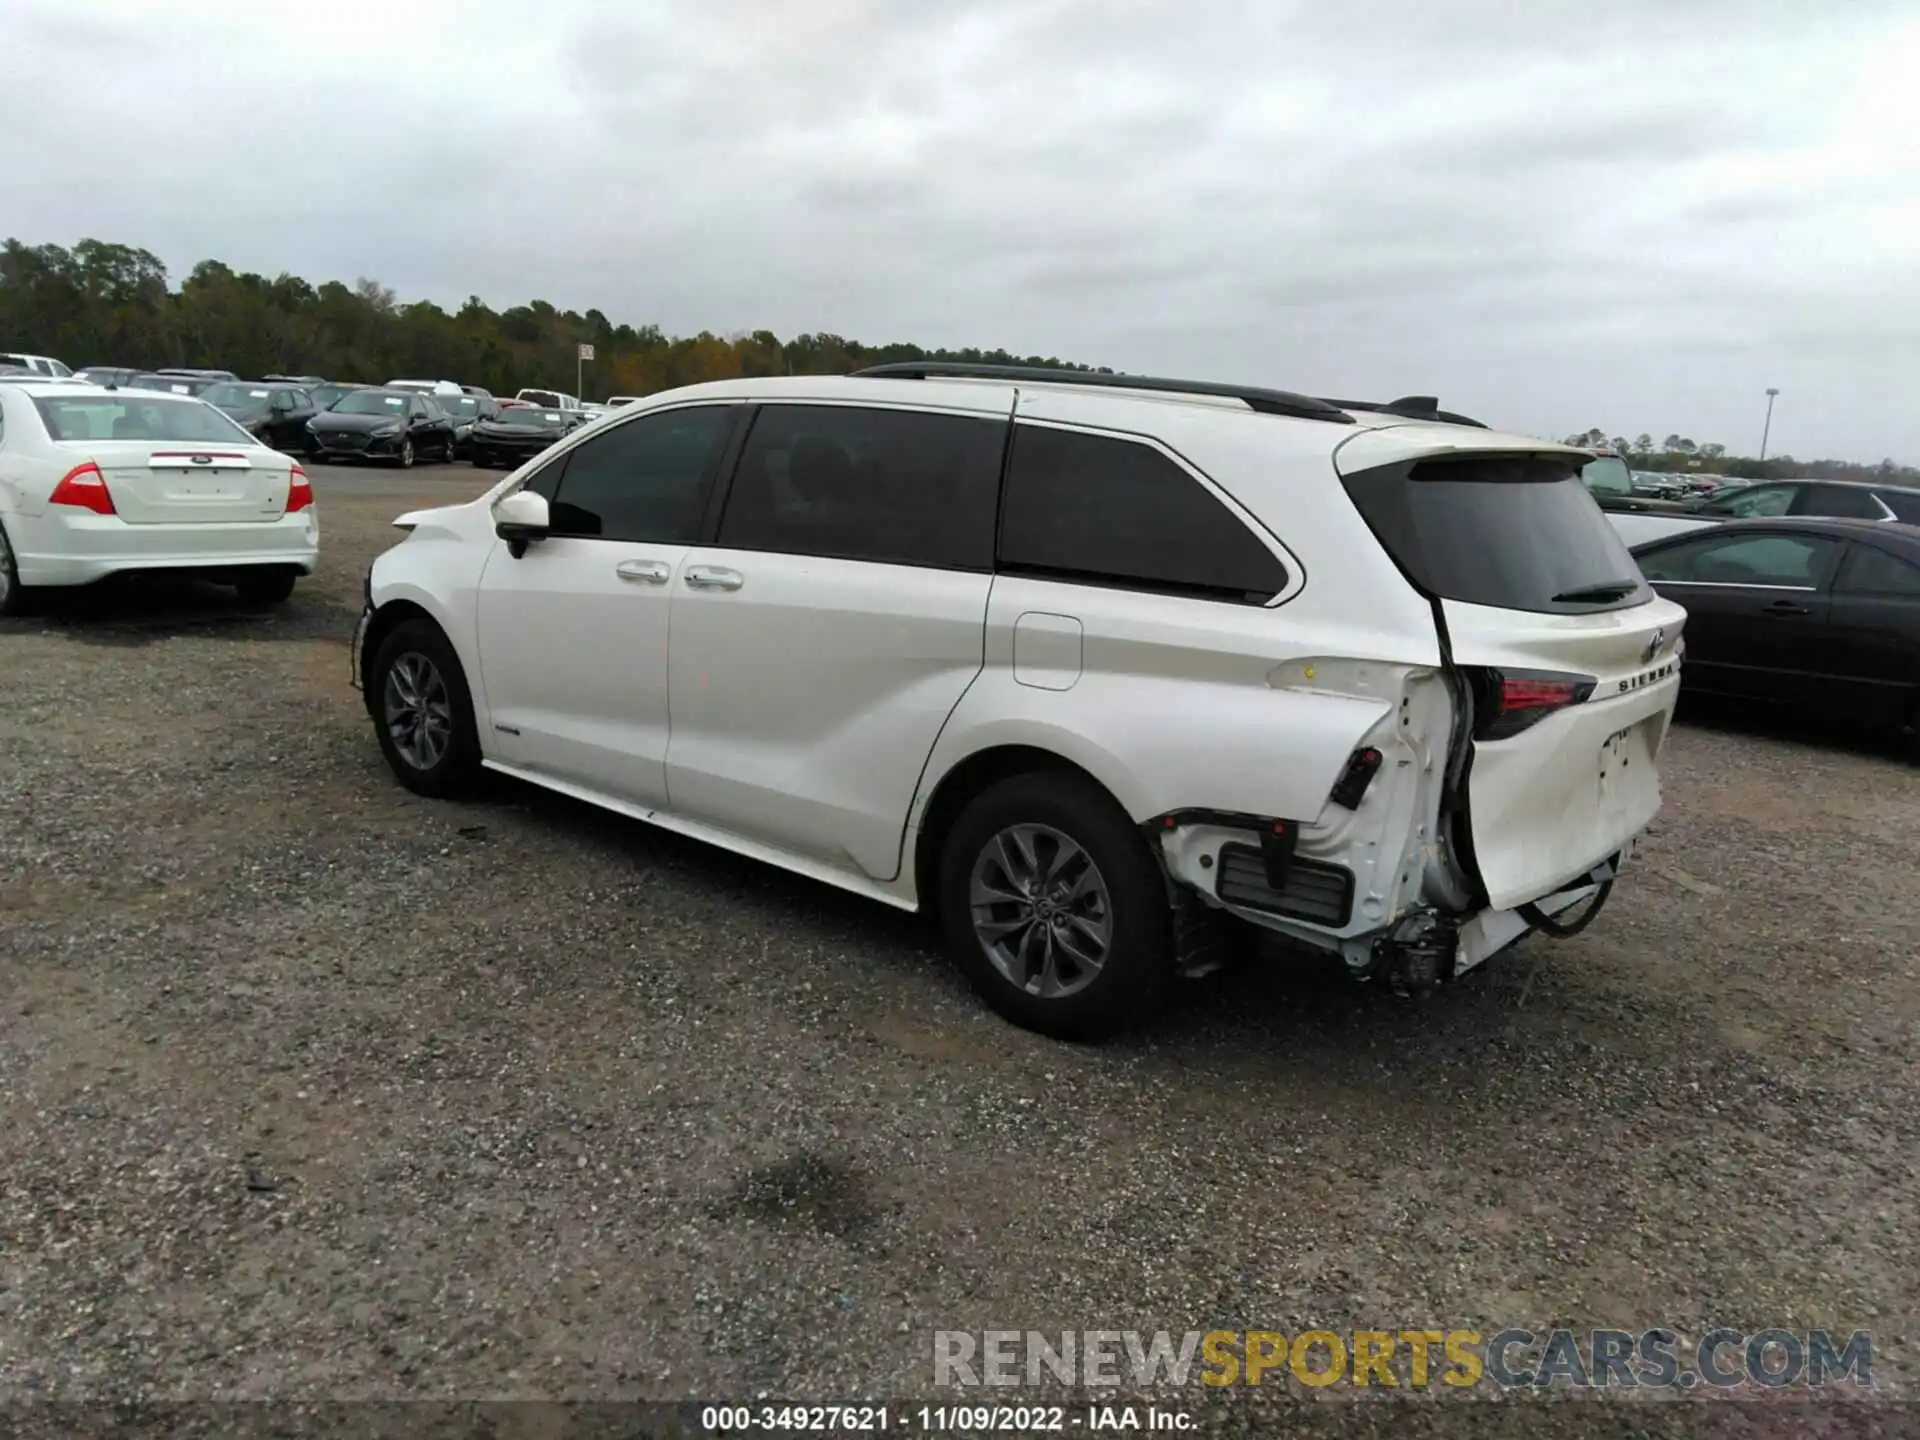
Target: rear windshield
pixel 1515 533
pixel 136 417
pixel 371 402
pixel 174 384
pixel 240 397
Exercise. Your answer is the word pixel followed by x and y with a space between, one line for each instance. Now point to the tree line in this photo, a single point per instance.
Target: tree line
pixel 1678 453
pixel 100 303
pixel 107 304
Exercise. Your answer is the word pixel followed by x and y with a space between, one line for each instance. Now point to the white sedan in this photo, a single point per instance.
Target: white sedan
pixel 99 482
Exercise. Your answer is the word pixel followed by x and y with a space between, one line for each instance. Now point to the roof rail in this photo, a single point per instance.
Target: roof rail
pixel 1267 402
pixel 1413 407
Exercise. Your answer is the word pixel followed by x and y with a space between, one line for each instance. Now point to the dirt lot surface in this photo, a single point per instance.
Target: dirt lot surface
pixel 310 1088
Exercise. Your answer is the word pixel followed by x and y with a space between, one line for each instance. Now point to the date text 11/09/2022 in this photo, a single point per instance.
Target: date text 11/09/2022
pixel 941 1419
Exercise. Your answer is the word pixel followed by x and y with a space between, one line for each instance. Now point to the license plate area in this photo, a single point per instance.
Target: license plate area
pixel 1627 770
pixel 201 484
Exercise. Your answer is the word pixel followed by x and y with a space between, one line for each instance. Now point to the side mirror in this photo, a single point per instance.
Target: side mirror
pixel 520 519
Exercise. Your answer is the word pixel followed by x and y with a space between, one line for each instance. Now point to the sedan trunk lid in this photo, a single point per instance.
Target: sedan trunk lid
pixel 184 484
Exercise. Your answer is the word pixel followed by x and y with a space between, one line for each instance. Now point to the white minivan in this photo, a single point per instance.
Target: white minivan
pixel 1082 663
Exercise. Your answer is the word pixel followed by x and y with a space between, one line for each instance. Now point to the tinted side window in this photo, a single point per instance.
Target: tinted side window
pixel 1104 511
pixel 645 480
pixel 1905 505
pixel 1838 502
pixel 893 486
pixel 1798 561
pixel 1755 500
pixel 1873 571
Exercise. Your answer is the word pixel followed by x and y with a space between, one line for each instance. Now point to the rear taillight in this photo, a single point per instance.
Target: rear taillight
pixel 299 490
pixel 1509 701
pixel 84 486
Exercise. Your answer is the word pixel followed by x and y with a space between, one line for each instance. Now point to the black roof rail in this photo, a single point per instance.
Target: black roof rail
pixel 1412 407
pixel 1267 402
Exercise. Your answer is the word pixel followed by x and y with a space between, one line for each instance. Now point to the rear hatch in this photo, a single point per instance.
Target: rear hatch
pixel 185 485
pixel 1566 660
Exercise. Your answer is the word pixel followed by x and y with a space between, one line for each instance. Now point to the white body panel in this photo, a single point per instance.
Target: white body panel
pixel 806 700
pixel 1553 801
pixel 572 641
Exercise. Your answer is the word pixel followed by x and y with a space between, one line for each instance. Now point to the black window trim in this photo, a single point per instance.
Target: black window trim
pixel 1296 572
pixel 554 461
pixel 737 445
pixel 1823 582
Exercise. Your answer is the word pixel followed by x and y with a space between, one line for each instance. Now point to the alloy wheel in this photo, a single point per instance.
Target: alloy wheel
pixel 417 710
pixel 1041 910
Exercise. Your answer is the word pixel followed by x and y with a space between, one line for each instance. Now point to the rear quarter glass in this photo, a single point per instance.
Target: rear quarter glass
pixel 1507 532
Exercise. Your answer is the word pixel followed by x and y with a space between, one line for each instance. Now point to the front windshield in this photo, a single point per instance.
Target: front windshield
pixel 461 407
pixel 371 402
pixel 1607 475
pixel 529 419
pixel 237 397
pixel 137 417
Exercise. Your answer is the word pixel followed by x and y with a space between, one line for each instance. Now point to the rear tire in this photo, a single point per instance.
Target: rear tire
pixel 273 587
pixel 423 712
pixel 1040 875
pixel 15 598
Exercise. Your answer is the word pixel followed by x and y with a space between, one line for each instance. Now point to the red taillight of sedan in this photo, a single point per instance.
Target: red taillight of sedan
pixel 84 486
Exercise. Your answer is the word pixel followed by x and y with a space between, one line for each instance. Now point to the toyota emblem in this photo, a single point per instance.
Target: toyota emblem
pixel 202 459
pixel 1653 645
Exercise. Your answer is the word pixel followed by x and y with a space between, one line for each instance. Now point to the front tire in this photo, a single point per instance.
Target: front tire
pixel 15 598
pixel 406 453
pixel 1053 907
pixel 423 712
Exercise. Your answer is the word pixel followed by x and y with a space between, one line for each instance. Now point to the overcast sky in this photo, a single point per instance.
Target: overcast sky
pixel 1621 213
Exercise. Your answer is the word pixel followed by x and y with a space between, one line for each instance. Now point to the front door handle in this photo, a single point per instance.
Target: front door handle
pixel 714 577
pixel 1787 607
pixel 644 572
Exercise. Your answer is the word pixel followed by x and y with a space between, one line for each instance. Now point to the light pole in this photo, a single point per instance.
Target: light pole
pixel 1767 429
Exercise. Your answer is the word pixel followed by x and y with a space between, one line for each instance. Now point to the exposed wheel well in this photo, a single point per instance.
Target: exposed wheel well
pixel 389 616
pixel 960 784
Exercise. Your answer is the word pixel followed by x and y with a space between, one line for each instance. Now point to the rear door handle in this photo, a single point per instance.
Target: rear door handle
pixel 644 572
pixel 1787 607
pixel 714 577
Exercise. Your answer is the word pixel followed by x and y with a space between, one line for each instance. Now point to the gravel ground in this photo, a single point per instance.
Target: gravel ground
pixel 313 1089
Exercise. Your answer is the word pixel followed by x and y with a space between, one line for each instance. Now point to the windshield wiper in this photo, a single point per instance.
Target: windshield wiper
pixel 1607 590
